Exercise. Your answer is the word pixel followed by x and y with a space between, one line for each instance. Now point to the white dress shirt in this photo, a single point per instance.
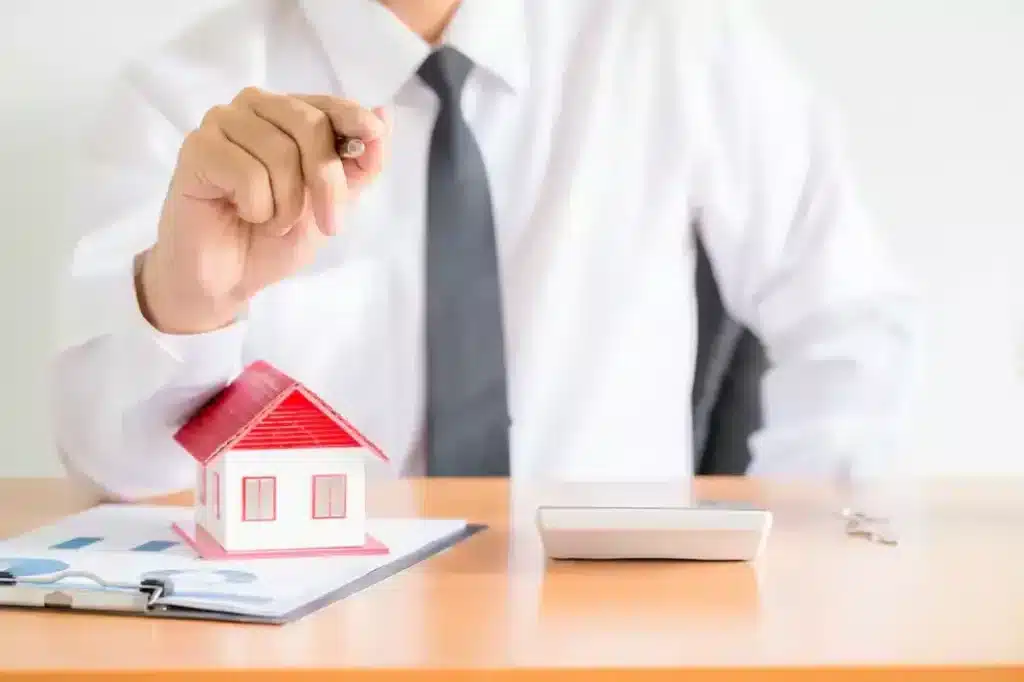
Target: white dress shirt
pixel 611 129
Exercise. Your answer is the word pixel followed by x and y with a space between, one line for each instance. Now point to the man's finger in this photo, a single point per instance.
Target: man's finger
pixel 347 117
pixel 279 154
pixel 314 137
pixel 220 169
pixel 360 171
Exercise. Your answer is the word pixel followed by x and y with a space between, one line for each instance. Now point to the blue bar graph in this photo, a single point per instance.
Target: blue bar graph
pixel 154 546
pixel 76 543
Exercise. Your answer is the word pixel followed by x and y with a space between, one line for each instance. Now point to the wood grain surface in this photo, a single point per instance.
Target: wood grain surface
pixel 947 603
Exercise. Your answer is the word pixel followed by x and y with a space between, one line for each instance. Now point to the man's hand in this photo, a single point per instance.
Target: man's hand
pixel 257 189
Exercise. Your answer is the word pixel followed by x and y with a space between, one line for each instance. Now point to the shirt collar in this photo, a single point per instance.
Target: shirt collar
pixel 375 55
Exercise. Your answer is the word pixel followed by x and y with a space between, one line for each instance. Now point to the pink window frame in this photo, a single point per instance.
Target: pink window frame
pixel 216 494
pixel 330 515
pixel 273 480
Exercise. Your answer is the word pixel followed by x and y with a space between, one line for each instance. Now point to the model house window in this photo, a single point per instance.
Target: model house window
pixel 259 498
pixel 329 496
pixel 216 494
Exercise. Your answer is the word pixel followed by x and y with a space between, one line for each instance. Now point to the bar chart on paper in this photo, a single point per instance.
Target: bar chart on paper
pixel 100 543
pixel 129 548
pixel 148 534
pixel 128 545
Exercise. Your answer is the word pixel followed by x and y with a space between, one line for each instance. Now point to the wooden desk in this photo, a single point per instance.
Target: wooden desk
pixel 948 602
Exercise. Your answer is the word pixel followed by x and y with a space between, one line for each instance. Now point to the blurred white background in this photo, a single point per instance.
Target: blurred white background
pixel 931 95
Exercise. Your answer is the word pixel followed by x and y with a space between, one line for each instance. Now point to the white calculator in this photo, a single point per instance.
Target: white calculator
pixel 645 527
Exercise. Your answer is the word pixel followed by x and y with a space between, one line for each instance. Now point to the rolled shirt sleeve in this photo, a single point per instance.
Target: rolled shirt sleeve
pixel 118 387
pixel 801 263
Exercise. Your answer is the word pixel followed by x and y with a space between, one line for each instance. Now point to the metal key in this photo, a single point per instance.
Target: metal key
pixel 871 528
pixel 883 537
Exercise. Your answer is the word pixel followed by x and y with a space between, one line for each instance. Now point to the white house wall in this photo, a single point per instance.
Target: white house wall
pixel 200 504
pixel 294 526
pixel 205 514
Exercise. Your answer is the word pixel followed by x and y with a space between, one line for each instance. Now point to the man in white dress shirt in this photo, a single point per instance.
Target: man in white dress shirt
pixel 218 226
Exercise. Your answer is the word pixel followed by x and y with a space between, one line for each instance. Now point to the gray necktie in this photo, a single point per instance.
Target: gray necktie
pixel 467 407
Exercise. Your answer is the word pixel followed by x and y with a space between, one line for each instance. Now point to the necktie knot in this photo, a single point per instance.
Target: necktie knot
pixel 445 71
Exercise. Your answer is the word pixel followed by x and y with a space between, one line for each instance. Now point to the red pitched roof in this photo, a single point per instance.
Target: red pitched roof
pixel 264 409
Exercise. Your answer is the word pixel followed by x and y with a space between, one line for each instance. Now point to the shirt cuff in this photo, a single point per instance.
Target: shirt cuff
pixel 196 359
pixel 150 360
pixel 838 450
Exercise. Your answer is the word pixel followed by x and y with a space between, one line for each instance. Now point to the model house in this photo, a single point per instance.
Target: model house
pixel 278 472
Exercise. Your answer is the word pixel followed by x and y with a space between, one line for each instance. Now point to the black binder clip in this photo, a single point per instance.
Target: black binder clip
pixel 53 591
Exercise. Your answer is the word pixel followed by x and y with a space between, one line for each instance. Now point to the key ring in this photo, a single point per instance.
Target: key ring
pixel 851 515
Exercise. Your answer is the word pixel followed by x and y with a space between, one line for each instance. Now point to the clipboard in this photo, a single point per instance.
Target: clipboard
pixel 93 594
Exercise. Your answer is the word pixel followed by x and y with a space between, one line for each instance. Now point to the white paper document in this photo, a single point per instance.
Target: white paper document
pixel 127 544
